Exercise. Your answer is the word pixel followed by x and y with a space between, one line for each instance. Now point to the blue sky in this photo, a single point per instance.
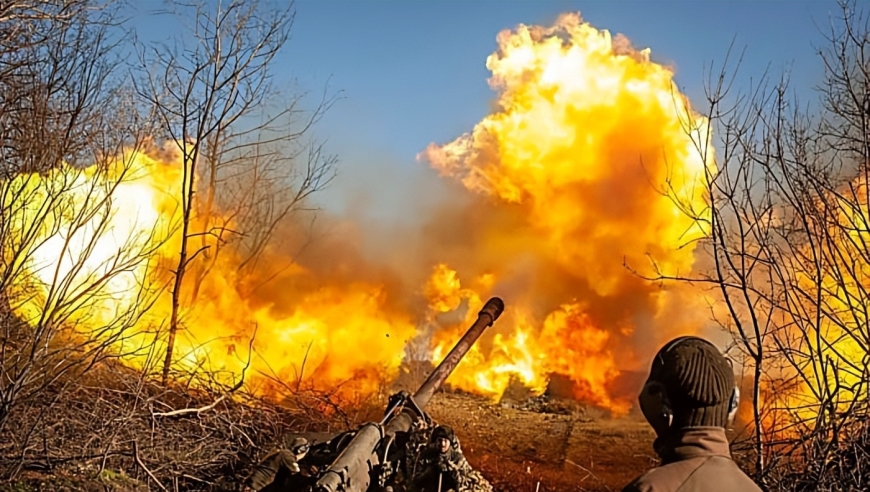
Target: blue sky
pixel 411 73
pixel 414 72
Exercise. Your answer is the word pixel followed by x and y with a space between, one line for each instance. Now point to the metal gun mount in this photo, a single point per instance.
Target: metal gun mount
pixel 354 468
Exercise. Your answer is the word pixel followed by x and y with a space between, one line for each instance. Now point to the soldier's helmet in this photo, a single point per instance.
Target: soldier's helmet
pixel 443 432
pixel 299 446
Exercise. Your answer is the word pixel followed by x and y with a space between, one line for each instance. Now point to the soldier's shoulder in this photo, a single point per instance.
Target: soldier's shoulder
pixel 639 484
pixel 665 478
pixel 702 473
pixel 636 486
pixel 726 473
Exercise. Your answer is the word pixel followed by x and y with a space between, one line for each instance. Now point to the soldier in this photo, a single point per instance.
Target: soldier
pixel 442 467
pixel 689 399
pixel 440 463
pixel 279 467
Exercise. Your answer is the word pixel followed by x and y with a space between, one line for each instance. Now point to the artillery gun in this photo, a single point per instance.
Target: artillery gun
pixel 376 456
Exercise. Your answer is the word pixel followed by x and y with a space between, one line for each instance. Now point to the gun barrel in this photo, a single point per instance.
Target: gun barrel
pixel 485 318
pixel 350 471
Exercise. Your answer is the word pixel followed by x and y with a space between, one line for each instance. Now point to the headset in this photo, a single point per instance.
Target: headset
pixel 654 401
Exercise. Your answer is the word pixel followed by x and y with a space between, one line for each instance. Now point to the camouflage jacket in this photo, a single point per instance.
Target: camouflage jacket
pixel 433 466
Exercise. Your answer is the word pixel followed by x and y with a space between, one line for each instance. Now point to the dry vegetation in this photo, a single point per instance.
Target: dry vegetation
pixel 789 222
pixel 72 113
pixel 127 432
pixel 114 433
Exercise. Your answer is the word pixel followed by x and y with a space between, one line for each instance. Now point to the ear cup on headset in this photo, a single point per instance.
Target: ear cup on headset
pixel 733 404
pixel 655 406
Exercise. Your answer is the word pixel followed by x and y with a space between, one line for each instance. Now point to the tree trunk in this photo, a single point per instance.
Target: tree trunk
pixel 187 205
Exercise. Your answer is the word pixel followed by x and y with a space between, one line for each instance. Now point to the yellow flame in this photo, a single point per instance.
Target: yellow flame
pixel 329 335
pixel 587 137
pixel 593 147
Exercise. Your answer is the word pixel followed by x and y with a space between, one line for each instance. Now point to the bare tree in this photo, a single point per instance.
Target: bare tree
pixel 246 165
pixel 65 145
pixel 788 227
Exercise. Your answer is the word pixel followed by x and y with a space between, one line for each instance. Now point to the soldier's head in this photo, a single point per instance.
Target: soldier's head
pixel 691 384
pixel 442 438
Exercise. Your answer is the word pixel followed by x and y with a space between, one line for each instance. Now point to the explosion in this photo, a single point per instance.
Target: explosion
pixel 587 150
pixel 570 188
pixel 122 225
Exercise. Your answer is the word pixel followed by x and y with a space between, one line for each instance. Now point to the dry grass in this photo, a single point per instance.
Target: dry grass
pixel 110 431
pixel 115 428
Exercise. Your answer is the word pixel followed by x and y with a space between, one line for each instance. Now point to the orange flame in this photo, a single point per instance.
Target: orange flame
pixel 568 176
pixel 329 334
pixel 588 135
pixel 567 343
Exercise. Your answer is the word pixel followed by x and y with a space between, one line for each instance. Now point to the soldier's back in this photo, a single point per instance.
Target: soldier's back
pixel 702 474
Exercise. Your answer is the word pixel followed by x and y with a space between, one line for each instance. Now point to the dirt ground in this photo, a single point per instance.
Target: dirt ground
pixel 528 451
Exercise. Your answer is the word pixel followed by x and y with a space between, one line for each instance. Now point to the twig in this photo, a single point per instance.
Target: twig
pixel 145 468
pixel 184 411
pixel 302 368
pixel 195 479
pixel 236 387
pixel 588 473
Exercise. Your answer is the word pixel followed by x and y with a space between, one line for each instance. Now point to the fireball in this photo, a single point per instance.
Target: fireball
pixel 591 149
pixel 574 183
